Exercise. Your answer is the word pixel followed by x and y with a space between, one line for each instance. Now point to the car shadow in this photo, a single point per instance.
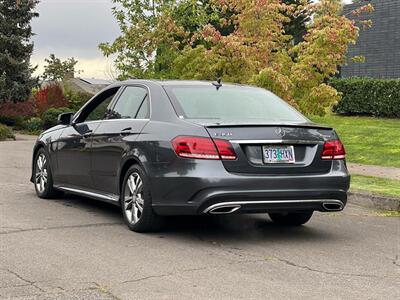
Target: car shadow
pixel 222 228
pixel 89 205
pixel 241 227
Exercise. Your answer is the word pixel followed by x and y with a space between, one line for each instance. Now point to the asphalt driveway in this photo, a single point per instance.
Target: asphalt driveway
pixel 76 248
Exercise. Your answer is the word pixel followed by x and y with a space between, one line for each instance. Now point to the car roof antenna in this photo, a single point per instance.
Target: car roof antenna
pixel 218 84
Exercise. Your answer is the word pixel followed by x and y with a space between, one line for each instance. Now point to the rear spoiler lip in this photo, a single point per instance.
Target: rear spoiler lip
pixel 298 125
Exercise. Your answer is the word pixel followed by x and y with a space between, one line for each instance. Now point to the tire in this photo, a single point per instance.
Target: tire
pixel 136 203
pixel 291 219
pixel 43 178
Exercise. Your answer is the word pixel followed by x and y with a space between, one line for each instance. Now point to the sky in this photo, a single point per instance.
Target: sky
pixel 75 28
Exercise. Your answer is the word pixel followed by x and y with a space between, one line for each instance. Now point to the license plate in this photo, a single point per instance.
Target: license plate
pixel 278 154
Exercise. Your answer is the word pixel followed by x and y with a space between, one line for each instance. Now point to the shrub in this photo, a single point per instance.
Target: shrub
pixel 13 114
pixel 367 96
pixel 33 125
pixel 16 121
pixel 50 116
pixel 51 96
pixel 6 133
pixel 76 99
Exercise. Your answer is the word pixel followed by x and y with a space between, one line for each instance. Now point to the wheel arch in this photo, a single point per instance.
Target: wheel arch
pixel 36 149
pixel 126 164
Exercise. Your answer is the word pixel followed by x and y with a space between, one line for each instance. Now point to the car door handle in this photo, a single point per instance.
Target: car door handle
pixel 126 131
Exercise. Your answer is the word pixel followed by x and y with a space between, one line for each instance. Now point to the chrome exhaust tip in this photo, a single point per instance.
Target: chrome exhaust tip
pixel 333 206
pixel 223 210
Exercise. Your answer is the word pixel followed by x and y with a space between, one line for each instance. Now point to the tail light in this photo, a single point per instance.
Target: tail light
pixel 225 149
pixel 203 148
pixel 333 150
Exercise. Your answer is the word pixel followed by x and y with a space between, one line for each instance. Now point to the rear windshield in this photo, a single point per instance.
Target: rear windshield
pixel 231 103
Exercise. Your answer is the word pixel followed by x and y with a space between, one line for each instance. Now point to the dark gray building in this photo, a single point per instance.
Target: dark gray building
pixel 380 45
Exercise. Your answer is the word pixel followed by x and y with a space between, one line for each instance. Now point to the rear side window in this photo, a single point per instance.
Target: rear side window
pixel 143 112
pixel 232 103
pixel 132 101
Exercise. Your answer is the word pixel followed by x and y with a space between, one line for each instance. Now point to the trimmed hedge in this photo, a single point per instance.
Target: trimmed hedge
pixel 367 96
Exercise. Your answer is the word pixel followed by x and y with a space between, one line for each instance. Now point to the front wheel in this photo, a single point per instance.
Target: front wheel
pixel 291 219
pixel 43 179
pixel 136 202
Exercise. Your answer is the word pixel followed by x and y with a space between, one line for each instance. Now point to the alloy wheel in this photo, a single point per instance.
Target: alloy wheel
pixel 133 200
pixel 41 176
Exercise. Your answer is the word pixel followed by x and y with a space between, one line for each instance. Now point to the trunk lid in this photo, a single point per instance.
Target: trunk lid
pixel 307 140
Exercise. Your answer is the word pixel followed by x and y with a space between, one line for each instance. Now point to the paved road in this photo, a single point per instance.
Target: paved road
pixel 75 248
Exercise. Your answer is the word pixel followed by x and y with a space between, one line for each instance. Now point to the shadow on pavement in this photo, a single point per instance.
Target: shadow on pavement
pixel 250 227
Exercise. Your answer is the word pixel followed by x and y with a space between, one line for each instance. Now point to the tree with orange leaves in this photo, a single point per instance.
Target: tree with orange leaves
pixel 244 41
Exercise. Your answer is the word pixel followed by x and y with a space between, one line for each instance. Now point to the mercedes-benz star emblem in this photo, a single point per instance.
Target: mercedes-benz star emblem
pixel 280 131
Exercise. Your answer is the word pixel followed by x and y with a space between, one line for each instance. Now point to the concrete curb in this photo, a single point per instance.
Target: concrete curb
pixel 374 201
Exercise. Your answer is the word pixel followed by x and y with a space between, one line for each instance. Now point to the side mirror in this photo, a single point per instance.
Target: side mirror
pixel 65 118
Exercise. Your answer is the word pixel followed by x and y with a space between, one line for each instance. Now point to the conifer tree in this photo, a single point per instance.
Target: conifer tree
pixel 16 81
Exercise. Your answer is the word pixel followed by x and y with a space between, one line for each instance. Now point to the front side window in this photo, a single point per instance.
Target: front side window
pixel 232 103
pixel 97 108
pixel 100 112
pixel 132 102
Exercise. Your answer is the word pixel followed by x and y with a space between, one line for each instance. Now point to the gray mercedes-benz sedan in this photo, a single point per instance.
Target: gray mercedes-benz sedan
pixel 159 148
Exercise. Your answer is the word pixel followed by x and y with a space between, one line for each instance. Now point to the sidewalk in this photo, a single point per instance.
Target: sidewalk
pixel 25 137
pixel 375 171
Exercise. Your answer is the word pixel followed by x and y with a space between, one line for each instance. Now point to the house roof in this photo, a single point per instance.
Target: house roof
pixel 96 81
pixel 88 85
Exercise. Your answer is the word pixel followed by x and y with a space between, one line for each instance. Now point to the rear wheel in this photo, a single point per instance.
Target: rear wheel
pixel 136 202
pixel 291 219
pixel 43 179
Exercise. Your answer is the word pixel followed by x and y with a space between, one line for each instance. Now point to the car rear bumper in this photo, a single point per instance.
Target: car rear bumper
pixel 211 189
pixel 260 206
pixel 236 201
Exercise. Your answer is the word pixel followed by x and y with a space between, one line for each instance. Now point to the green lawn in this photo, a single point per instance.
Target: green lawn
pixel 375 185
pixel 372 141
